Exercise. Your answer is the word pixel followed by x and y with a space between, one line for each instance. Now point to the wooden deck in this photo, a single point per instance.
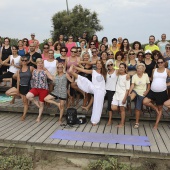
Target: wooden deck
pixel 29 134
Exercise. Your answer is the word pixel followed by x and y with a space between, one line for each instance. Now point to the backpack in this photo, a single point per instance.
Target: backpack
pixel 71 116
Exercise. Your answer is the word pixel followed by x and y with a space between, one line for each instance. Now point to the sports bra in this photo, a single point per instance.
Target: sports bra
pixel 132 67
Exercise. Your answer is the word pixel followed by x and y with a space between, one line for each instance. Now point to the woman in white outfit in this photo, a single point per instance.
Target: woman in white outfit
pixel 158 91
pixel 121 93
pixel 96 87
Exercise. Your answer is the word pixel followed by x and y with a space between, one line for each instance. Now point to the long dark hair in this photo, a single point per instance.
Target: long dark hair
pixel 103 69
pixel 122 46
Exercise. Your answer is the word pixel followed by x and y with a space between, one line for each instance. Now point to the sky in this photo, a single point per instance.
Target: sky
pixel 132 19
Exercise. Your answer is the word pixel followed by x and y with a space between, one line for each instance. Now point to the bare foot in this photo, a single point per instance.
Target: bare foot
pixel 155 127
pixel 120 126
pixel 23 117
pixel 36 103
pixel 109 123
pixel 94 124
pixel 85 108
pixel 12 102
pixel 38 119
pixel 60 121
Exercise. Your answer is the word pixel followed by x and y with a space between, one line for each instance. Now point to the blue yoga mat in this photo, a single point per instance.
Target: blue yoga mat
pixel 101 138
pixel 4 98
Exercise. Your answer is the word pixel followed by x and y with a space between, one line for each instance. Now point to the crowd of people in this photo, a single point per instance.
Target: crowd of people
pixel 66 69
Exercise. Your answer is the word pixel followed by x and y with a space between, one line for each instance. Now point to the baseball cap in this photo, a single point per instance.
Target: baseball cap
pixel 148 52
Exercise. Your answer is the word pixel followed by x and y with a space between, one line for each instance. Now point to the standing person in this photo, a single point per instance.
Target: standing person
pixel 83 45
pixel 111 79
pixel 121 93
pixel 85 36
pixel 94 38
pixel 37 49
pixel 21 50
pixel 151 46
pixel 118 59
pixel 138 90
pixel 162 43
pixel 62 58
pixel 119 42
pixel 158 91
pixel 13 62
pixel 57 48
pixel 166 54
pixel 60 89
pixel 32 40
pixel 114 48
pixel 39 86
pixel 140 56
pixel 104 56
pixel 51 65
pixel 23 84
pixel 61 40
pixel 111 55
pixel 69 44
pixel 5 52
pixel 45 52
pixel 33 56
pixel 91 46
pixel 50 43
pixel 149 63
pixel 96 87
pixel 156 54
pixel 137 47
pixel 125 46
pixel 105 42
pixel 26 44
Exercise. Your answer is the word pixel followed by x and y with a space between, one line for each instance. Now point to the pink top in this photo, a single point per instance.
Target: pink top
pixel 69 46
pixel 44 58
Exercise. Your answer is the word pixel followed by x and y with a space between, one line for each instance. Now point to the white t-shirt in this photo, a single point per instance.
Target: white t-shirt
pixel 162 45
pixel 50 66
pixel 111 80
pixel 121 86
pixel 13 69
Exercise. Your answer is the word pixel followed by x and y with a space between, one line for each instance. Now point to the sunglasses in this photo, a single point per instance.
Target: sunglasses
pixel 24 60
pixel 63 51
pixel 167 47
pixel 160 62
pixel 46 48
pixel 109 65
pixel 74 51
pixel 70 38
pixel 110 54
pixel 79 51
pixel 131 53
pixel 25 40
pixel 93 51
pixel 140 55
pixel 91 44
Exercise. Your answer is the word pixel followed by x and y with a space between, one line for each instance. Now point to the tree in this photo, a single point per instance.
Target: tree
pixel 78 20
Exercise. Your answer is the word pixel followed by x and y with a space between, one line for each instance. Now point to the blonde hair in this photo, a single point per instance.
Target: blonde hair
pixel 141 64
pixel 38 60
pixel 62 66
pixel 85 53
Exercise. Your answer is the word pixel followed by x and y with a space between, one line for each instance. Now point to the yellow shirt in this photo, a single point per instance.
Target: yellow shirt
pixel 140 84
pixel 152 48
pixel 114 51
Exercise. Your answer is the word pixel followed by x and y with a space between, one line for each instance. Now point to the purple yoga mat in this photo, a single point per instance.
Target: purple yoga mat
pixel 101 138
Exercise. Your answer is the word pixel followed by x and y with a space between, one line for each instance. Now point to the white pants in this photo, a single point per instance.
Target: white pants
pixel 88 87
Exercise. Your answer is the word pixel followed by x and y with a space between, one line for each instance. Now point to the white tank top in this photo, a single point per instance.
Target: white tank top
pixel 13 69
pixel 159 81
pixel 98 80
pixel 51 66
pixel 111 80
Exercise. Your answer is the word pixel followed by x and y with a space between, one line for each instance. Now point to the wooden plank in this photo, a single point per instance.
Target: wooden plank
pixel 51 121
pixel 28 130
pixel 166 129
pixel 128 131
pixel 159 141
pixel 41 124
pixel 114 131
pixel 164 137
pixel 142 133
pixel 4 116
pixel 154 148
pixel 96 146
pixel 14 128
pixel 137 149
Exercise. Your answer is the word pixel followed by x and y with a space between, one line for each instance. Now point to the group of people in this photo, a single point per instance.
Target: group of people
pixel 119 73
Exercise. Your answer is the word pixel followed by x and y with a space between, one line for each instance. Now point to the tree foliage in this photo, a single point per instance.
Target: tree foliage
pixel 78 20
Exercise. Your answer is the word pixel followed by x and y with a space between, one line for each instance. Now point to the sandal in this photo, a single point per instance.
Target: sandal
pixel 136 126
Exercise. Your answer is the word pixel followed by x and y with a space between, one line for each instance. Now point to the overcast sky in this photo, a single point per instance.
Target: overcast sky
pixel 132 19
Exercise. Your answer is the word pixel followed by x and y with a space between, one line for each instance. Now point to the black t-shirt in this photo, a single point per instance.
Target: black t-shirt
pixel 34 58
pixel 149 68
